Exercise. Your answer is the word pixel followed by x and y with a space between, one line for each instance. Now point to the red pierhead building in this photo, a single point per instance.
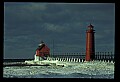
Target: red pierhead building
pixel 42 51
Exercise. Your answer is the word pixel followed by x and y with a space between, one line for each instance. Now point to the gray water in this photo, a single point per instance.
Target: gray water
pixel 75 70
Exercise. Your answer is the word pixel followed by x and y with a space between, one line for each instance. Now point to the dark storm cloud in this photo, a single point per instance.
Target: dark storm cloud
pixel 26 24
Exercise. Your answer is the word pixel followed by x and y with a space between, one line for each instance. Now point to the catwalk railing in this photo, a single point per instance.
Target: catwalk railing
pixel 98 55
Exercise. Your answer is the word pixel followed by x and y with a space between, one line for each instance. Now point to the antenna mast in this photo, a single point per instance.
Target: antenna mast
pixel 53 47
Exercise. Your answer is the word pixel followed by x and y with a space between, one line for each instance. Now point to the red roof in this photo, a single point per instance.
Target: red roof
pixel 43 50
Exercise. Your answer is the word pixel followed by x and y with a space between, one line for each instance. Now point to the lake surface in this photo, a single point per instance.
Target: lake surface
pixel 95 69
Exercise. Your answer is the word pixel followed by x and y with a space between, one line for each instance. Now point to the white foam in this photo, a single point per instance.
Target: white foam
pixel 90 68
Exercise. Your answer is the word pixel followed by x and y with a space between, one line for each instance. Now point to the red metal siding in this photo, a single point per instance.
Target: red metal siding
pixel 90 43
pixel 45 50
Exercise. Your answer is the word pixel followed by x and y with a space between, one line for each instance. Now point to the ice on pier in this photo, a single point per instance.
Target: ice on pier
pixel 93 69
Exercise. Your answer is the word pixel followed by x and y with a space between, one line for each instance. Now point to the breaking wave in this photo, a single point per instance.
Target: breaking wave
pixel 78 70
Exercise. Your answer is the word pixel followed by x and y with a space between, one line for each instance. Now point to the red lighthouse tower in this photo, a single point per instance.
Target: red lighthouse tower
pixel 90 47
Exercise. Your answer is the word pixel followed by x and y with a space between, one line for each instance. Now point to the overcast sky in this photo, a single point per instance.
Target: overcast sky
pixel 27 23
